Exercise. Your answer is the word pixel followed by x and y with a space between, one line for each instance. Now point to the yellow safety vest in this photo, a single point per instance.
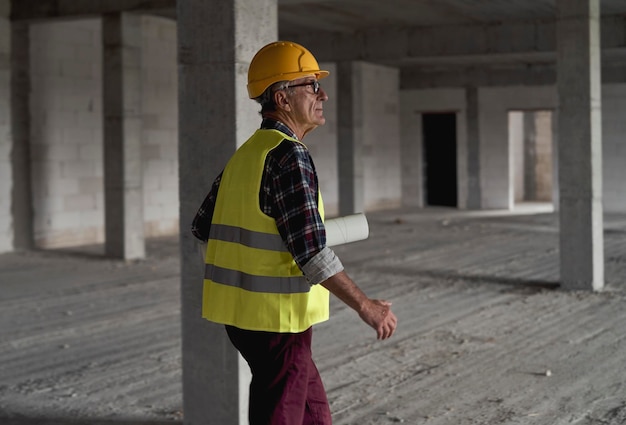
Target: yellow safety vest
pixel 251 280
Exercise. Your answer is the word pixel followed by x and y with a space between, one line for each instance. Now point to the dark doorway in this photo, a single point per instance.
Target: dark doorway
pixel 439 142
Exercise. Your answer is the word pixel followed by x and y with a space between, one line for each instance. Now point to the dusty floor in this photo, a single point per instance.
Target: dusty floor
pixel 484 336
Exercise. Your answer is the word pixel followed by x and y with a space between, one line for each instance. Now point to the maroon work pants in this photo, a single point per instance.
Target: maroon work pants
pixel 286 387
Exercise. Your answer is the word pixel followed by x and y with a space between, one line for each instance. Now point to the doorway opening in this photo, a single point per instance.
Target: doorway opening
pixel 439 159
pixel 531 140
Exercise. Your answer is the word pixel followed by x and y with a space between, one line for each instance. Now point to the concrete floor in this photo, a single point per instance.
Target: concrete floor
pixel 484 336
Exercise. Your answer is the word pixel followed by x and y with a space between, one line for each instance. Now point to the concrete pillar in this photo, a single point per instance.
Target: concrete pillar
pixel 6 131
pixel 216 41
pixel 473 149
pixel 350 136
pixel 555 161
pixel 530 155
pixel 22 197
pixel 123 178
pixel 580 144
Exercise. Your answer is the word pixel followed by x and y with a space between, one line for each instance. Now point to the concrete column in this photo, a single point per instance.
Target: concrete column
pixel 555 161
pixel 350 135
pixel 530 156
pixel 580 144
pixel 123 178
pixel 16 211
pixel 473 149
pixel 6 131
pixel 216 41
pixel 22 197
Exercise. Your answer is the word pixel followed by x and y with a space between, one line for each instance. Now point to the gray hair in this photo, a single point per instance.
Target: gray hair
pixel 267 97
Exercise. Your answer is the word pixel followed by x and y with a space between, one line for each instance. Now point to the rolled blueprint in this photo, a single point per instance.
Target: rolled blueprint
pixel 350 228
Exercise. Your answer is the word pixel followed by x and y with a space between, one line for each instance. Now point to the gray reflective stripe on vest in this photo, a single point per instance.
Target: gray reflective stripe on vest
pixel 226 233
pixel 275 285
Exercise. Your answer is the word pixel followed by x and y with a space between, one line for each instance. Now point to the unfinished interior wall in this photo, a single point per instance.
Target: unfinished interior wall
pixel 160 126
pixel 531 144
pixel 614 147
pixel 66 132
pixel 496 156
pixel 381 131
pixel 543 167
pixel 322 143
pixel 497 100
pixel 412 104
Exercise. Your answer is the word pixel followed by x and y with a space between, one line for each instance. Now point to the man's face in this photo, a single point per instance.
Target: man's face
pixel 307 106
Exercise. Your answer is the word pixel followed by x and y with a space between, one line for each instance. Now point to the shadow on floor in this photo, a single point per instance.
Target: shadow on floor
pixel 28 420
pixel 444 275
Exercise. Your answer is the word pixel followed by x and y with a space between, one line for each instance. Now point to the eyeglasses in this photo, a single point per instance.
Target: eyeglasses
pixel 314 84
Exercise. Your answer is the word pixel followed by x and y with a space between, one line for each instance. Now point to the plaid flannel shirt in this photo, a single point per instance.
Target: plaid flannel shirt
pixel 288 193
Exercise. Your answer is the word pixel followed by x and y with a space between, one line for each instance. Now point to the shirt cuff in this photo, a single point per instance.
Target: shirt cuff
pixel 325 264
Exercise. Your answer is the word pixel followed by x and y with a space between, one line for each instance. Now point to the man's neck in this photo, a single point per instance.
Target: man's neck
pixel 271 121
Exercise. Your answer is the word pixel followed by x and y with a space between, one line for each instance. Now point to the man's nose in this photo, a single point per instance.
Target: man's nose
pixel 322 95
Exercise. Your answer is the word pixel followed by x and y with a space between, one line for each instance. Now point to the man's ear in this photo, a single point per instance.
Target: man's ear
pixel 281 101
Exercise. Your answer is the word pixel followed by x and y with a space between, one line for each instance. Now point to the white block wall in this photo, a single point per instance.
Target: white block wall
pixel 66 133
pixel 6 177
pixel 160 126
pixel 381 144
pixel 67 154
pixel 322 143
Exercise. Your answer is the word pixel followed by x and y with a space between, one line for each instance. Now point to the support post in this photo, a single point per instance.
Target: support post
pixel 580 144
pixel 216 42
pixel 474 201
pixel 22 193
pixel 350 138
pixel 123 174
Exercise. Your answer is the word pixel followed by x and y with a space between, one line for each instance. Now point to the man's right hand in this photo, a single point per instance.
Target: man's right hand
pixel 378 314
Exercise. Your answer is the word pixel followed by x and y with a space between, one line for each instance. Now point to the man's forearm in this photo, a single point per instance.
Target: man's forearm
pixel 376 313
pixel 346 290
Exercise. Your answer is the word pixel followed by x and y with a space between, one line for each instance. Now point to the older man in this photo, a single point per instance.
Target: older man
pixel 268 269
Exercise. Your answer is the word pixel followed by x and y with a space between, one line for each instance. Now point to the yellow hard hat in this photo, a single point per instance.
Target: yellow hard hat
pixel 280 61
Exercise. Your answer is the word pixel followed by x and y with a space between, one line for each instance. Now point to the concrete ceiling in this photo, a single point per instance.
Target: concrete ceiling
pixel 407 34
pixel 440 35
pixel 350 16
pixel 345 16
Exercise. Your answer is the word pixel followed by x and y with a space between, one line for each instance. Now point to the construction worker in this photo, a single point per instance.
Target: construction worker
pixel 268 270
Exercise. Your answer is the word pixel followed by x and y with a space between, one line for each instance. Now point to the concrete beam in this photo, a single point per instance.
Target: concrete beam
pixel 513 42
pixel 580 144
pixel 489 76
pixel 41 10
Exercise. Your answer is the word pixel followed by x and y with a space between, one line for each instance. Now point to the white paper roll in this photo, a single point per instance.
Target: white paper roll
pixel 350 228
